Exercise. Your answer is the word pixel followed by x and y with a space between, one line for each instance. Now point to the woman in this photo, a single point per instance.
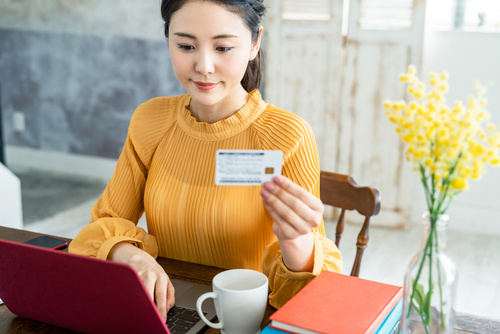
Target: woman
pixel 167 166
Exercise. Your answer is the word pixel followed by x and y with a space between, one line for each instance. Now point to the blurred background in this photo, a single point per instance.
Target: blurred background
pixel 73 72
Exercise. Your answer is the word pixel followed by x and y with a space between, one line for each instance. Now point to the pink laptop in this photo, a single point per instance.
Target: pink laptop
pixel 84 294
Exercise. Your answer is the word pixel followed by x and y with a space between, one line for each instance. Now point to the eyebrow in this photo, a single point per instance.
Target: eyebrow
pixel 222 36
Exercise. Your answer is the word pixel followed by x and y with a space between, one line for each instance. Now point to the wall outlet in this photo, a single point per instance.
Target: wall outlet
pixel 18 121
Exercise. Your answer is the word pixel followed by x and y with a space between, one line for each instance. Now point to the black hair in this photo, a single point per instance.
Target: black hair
pixel 251 11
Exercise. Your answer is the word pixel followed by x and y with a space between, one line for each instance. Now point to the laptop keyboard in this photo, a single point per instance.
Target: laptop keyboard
pixel 181 319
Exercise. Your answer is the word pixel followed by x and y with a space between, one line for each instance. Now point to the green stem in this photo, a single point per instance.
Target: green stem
pixel 442 197
pixel 428 242
pixel 419 272
pixel 428 306
pixel 421 314
pixel 427 192
pixel 443 323
pixel 433 187
pixel 446 207
pixel 446 186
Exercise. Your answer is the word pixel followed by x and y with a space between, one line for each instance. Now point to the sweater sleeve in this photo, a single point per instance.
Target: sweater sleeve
pixel 301 165
pixel 115 215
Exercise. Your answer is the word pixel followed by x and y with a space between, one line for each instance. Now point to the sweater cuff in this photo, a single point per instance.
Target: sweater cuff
pixel 106 246
pixel 319 259
pixel 319 256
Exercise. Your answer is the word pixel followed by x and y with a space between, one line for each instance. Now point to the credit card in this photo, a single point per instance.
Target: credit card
pixel 247 167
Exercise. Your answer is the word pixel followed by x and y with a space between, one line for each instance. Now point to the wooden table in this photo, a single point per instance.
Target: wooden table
pixel 10 323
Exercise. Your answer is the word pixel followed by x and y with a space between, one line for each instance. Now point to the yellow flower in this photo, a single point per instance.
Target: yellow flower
pixel 433 80
pixel 471 103
pixel 451 143
pixel 480 89
pixel 404 78
pixel 459 184
pixel 444 76
pixel 412 70
pixel 464 170
pixel 476 174
pixel 444 111
pixel 408 137
pixel 421 153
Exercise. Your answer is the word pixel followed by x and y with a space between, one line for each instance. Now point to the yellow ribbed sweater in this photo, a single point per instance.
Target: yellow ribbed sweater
pixel 167 170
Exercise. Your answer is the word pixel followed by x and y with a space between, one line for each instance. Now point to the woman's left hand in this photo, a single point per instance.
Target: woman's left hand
pixel 295 210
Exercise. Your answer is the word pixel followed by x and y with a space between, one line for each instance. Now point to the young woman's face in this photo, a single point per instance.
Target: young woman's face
pixel 210 48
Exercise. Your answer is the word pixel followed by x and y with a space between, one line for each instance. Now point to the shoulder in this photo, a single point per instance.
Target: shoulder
pixel 157 109
pixel 156 115
pixel 284 128
pixel 151 121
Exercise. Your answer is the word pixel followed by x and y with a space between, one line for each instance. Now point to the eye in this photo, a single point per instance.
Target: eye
pixel 224 49
pixel 185 47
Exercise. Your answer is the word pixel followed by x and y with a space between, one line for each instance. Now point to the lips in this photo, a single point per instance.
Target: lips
pixel 205 85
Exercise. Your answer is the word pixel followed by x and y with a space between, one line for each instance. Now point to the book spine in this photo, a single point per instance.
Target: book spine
pixel 391 320
pixel 396 328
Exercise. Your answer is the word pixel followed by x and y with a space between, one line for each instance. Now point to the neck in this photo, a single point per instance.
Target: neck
pixel 222 110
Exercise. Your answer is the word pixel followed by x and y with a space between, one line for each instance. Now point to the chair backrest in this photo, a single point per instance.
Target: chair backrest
pixel 342 192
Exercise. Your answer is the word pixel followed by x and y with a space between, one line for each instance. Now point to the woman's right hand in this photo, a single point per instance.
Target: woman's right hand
pixel 155 279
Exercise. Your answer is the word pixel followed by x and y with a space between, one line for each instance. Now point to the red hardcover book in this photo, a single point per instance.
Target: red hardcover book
pixel 337 303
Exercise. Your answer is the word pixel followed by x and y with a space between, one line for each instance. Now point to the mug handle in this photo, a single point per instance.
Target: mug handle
pixel 199 302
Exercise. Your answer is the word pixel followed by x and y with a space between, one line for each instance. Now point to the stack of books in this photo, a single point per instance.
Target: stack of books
pixel 337 303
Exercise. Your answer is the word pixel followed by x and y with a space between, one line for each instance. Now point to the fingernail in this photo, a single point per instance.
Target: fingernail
pixel 264 193
pixel 279 180
pixel 269 186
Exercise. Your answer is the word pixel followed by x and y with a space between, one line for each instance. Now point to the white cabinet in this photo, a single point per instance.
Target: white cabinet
pixel 11 213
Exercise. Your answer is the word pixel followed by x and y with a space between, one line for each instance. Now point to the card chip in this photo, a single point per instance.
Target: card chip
pixel 269 170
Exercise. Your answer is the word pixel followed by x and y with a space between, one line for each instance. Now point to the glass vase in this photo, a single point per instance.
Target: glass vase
pixel 430 283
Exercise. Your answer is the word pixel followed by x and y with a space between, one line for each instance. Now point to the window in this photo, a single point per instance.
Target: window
pixel 310 10
pixel 476 15
pixel 386 14
pixel 482 14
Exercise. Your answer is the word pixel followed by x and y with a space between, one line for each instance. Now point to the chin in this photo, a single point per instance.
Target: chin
pixel 206 98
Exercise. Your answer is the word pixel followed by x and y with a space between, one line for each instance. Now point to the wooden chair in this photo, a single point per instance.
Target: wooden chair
pixel 342 192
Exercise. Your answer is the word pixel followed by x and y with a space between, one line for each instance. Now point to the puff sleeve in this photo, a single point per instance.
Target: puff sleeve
pixel 115 215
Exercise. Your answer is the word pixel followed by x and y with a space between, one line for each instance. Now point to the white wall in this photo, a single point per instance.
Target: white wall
pixel 131 18
pixel 467 56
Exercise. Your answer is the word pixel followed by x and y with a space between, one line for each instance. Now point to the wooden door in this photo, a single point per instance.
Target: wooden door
pixel 383 38
pixel 303 48
pixel 338 84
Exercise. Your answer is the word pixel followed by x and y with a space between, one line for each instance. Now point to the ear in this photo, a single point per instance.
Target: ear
pixel 256 45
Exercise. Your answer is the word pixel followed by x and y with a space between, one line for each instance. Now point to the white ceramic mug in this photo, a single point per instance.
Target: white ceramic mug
pixel 240 298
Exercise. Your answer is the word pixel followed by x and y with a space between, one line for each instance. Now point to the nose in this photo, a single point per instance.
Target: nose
pixel 204 63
